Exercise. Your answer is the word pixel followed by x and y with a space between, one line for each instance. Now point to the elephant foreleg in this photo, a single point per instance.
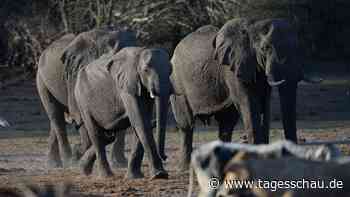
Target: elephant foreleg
pixel 141 121
pixel 227 120
pixel 98 144
pixel 117 155
pixel 251 119
pixel 135 160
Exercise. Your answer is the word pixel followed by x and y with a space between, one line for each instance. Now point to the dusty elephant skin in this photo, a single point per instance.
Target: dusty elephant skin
pixel 118 92
pixel 56 77
pixel 229 71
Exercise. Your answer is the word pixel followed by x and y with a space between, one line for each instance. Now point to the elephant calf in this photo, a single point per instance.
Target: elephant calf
pixel 118 91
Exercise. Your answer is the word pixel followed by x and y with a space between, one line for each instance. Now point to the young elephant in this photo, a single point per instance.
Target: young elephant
pixel 117 92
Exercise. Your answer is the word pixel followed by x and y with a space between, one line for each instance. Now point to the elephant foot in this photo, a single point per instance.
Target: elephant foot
pixel 105 174
pixel 136 174
pixel 244 139
pixel 76 154
pixel 119 161
pixel 85 171
pixel 67 163
pixel 120 164
pixel 51 163
pixel 163 156
pixel 160 174
pixel 85 168
pixel 184 165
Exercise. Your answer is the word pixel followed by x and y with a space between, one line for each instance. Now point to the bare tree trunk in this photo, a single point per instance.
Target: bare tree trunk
pixel 61 4
pixel 110 12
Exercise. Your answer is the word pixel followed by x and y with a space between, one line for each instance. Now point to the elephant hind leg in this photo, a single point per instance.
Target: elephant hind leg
pixel 58 135
pixel 87 161
pixel 117 155
pixel 54 160
pixel 98 144
pixel 185 122
pixel 227 120
pixel 135 159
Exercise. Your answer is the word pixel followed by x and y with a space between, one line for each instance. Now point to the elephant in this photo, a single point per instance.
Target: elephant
pixel 117 92
pixel 230 72
pixel 56 76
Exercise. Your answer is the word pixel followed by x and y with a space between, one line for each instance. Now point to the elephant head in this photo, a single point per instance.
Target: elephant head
pixel 232 48
pixel 269 46
pixel 275 43
pixel 145 72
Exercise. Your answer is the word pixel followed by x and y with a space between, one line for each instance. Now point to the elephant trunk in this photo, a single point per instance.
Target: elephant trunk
pixel 161 122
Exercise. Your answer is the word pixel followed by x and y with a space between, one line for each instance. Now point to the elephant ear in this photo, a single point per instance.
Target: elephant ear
pixel 232 47
pixel 123 68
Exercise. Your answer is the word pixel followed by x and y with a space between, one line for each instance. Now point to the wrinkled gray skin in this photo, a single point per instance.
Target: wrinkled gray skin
pixel 229 71
pixel 56 87
pixel 118 92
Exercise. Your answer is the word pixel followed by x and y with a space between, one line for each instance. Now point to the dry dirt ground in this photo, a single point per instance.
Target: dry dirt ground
pixel 323 114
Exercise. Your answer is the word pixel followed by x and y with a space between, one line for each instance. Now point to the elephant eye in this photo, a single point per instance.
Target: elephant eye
pixel 146 70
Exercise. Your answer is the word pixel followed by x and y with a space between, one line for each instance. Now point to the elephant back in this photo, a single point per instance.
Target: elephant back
pixel 90 45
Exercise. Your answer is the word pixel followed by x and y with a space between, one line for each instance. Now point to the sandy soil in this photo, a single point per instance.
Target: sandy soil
pixel 323 114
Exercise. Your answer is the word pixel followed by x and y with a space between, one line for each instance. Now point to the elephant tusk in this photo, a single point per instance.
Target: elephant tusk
pixel 151 95
pixel 275 83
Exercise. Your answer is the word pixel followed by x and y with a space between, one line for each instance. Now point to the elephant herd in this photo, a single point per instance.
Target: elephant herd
pixel 105 83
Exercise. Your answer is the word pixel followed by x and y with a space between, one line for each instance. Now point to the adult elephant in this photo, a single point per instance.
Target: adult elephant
pixel 230 71
pixel 118 92
pixel 56 76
